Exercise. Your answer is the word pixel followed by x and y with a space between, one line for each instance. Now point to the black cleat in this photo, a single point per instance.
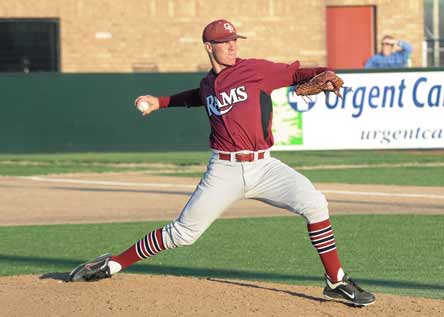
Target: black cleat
pixel 348 291
pixel 93 270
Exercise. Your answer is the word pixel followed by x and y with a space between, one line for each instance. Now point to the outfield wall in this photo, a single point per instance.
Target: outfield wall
pixel 94 112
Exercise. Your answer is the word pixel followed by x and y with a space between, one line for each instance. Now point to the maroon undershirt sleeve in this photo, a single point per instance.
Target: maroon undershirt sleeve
pixel 188 98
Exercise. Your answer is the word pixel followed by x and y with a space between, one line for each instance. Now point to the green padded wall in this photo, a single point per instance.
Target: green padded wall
pixel 94 112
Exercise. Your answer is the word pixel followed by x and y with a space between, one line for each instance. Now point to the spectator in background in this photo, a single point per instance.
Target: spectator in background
pixel 394 53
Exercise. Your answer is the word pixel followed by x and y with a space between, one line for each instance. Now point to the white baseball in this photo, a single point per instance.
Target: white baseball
pixel 143 106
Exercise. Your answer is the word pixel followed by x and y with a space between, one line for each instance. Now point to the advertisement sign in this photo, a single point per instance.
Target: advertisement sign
pixel 377 111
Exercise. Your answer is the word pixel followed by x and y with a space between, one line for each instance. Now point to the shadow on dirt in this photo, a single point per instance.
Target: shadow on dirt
pixel 58 276
pixel 292 293
pixel 154 269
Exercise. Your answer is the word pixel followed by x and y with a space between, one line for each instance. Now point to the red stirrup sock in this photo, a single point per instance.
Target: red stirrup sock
pixel 149 246
pixel 322 238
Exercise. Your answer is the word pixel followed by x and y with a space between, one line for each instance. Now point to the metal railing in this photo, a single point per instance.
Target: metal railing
pixel 434 52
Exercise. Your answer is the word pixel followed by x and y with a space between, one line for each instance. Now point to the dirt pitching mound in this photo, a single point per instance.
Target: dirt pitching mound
pixel 145 295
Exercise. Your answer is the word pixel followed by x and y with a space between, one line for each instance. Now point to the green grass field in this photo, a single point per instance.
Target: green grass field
pixel 298 158
pixel 374 167
pixel 384 253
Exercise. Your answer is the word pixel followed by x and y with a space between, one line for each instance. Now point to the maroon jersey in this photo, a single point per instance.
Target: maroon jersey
pixel 238 101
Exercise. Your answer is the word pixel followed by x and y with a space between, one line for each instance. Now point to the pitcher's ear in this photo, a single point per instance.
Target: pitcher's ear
pixel 208 47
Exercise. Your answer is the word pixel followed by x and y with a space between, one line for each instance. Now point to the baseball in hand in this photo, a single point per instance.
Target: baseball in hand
pixel 143 106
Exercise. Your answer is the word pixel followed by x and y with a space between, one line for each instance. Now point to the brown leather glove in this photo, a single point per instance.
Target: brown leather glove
pixel 325 82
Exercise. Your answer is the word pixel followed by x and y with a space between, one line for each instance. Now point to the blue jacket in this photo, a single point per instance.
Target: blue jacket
pixel 397 59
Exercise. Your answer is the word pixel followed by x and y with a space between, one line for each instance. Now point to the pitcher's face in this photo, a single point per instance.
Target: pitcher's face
pixel 224 53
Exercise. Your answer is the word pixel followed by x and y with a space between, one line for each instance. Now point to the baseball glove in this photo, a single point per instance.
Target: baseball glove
pixel 325 82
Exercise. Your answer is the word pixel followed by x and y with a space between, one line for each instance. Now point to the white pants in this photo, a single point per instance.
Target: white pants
pixel 225 182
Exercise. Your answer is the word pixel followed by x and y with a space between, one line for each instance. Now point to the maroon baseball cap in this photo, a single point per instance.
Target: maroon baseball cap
pixel 220 31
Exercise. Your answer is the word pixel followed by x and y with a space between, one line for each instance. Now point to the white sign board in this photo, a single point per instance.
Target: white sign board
pixel 377 111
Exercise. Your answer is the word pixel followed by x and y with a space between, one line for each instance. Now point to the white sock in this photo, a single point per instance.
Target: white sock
pixel 114 267
pixel 340 274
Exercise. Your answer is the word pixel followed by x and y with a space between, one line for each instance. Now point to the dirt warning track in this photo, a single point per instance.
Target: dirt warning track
pixel 88 198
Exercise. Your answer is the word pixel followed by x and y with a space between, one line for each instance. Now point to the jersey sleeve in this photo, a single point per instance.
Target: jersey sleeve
pixel 277 75
pixel 188 98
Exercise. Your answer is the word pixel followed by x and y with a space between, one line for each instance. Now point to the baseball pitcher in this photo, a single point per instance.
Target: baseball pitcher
pixel 236 97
